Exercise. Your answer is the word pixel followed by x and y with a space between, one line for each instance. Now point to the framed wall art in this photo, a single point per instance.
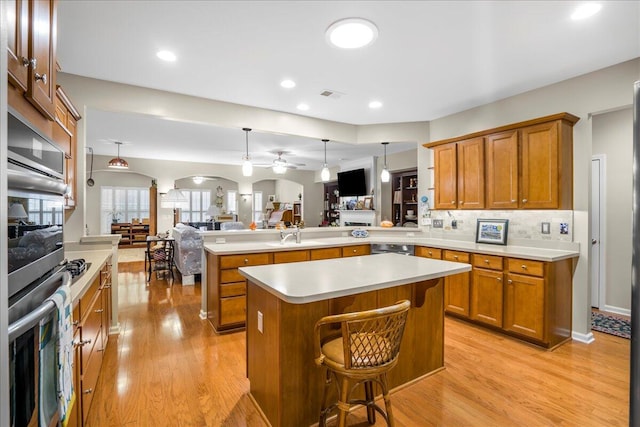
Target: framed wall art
pixel 492 231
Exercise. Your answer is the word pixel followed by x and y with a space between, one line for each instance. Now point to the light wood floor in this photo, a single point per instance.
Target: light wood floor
pixel 168 368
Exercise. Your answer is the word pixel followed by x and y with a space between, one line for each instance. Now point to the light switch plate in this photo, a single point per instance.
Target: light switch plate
pixel 426 221
pixel 437 223
pixel 545 228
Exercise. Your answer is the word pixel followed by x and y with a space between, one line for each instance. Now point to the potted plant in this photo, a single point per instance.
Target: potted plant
pixel 115 216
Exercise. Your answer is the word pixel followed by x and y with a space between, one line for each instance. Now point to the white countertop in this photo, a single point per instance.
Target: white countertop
pixel 97 259
pixel 310 242
pixel 309 281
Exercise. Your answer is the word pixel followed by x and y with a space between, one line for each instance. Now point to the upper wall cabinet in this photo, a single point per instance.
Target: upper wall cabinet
pixel 459 171
pixel 527 165
pixel 31 52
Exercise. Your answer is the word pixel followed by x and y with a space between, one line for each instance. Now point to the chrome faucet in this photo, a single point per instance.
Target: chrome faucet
pixel 285 234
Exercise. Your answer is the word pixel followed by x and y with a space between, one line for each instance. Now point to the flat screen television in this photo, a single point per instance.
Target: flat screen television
pixel 352 183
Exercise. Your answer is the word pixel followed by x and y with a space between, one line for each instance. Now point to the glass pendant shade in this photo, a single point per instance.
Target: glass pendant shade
pixel 384 176
pixel 247 167
pixel 118 162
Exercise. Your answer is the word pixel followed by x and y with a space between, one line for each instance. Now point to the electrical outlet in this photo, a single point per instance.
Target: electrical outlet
pixel 220 240
pixel 411 234
pixel 260 321
pixel 437 223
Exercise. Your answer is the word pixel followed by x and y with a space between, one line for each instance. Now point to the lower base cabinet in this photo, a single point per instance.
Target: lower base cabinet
pixel 528 299
pixel 92 316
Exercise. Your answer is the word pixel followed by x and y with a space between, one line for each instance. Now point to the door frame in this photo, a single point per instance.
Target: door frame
pixel 602 289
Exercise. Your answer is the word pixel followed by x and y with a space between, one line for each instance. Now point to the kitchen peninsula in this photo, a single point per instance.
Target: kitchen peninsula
pixel 285 300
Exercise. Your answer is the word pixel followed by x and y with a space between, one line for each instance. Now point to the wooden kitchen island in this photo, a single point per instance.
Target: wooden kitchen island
pixel 284 302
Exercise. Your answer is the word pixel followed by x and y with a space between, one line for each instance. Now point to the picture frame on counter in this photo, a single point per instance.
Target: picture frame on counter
pixel 368 203
pixel 492 231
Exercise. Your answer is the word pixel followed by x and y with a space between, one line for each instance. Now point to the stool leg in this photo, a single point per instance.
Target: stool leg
pixel 368 395
pixel 323 408
pixel 387 399
pixel 343 402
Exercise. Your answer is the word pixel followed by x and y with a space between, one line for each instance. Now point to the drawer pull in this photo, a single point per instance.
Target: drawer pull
pixel 88 391
pixel 486 261
pixel 246 261
pixel 509 281
pixel 100 310
pixel 524 267
pixel 455 257
pixel 107 287
pixel 76 323
pixel 430 253
pixel 83 343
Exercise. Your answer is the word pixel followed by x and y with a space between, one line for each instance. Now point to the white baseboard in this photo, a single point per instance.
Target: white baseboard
pixel 203 315
pixel 114 330
pixel 616 310
pixel 583 338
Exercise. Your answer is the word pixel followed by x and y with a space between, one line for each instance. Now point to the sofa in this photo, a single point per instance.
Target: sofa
pixel 188 252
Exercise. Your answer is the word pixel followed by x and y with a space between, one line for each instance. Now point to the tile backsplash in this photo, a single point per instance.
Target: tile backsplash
pixel 524 225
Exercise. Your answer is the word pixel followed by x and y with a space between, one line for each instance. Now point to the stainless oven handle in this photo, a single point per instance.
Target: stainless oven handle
pixel 30 320
pixel 26 180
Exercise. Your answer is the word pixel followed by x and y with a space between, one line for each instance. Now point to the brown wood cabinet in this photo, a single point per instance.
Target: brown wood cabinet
pixel 65 135
pixel 529 165
pixel 132 234
pixel 427 252
pixel 463 164
pixel 487 290
pixel 92 314
pixel 227 288
pixel 31 53
pixel 457 287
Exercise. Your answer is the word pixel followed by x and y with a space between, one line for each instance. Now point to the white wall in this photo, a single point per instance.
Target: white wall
pixel 613 137
pixel 288 191
pixel 602 90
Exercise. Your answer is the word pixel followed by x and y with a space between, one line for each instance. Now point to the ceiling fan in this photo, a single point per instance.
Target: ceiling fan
pixel 280 165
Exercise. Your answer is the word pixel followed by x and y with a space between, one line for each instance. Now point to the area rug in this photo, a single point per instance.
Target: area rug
pixel 611 325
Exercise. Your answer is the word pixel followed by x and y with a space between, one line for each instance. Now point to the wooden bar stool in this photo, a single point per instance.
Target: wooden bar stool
pixel 364 349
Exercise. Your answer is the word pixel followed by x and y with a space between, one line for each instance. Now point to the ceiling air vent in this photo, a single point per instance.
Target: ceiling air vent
pixel 331 94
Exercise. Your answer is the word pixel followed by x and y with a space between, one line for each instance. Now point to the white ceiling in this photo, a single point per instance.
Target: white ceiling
pixel 431 59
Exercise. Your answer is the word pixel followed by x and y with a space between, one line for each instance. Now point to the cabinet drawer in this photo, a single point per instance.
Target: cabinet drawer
pixel 357 250
pixel 231 261
pixel 233 289
pixel 491 262
pixel 525 266
pixel 455 256
pixel 87 298
pixel 230 276
pixel 91 333
pixel 233 310
pixel 325 253
pixel 88 382
pixel 425 252
pixel 290 256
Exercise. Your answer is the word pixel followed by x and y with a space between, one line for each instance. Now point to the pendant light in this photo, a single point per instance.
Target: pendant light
pixel 325 175
pixel 247 167
pixel 117 162
pixel 384 176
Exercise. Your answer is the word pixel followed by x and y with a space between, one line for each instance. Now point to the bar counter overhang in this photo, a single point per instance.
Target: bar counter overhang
pixel 286 300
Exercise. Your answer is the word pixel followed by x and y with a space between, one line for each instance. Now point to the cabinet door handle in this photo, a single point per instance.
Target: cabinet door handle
pixel 25 61
pixel 33 62
pixel 88 391
pixel 513 200
pixel 524 200
pixel 509 281
pixel 100 310
pixel 453 202
pixel 82 343
pixel 499 279
pixel 75 323
pixel 42 77
pixel 461 202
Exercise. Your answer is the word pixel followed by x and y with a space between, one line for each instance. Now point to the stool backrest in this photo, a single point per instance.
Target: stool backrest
pixel 374 338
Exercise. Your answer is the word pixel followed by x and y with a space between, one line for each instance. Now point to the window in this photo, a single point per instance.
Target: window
pixel 122 204
pixel 232 201
pixel 199 202
pixel 257 207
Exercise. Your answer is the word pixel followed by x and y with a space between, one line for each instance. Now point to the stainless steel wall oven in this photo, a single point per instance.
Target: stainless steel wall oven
pixel 36 191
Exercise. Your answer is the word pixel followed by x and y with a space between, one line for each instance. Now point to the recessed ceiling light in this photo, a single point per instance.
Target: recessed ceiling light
pixel 352 33
pixel 288 84
pixel 303 107
pixel 165 55
pixel 375 104
pixel 586 10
